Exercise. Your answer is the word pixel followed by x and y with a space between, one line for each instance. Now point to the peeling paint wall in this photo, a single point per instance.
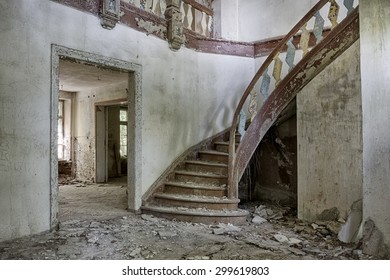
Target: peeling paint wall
pixel 329 128
pixel 186 97
pixel 375 71
pixel 85 138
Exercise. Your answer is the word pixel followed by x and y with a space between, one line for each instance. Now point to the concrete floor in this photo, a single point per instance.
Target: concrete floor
pixel 82 201
pixel 94 224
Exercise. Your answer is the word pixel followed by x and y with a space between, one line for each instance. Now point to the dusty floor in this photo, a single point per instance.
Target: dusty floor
pixel 95 225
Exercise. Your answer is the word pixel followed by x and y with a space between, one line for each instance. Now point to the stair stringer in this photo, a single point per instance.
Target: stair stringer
pixel 333 45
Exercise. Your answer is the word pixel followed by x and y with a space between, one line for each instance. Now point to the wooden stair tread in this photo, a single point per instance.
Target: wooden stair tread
pixel 206 163
pixel 224 143
pixel 193 185
pixel 196 212
pixel 213 152
pixel 201 174
pixel 197 198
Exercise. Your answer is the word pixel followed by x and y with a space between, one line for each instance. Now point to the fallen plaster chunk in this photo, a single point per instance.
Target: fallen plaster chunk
pixel 219 231
pixel 296 251
pixel 294 241
pixel 373 241
pixel 349 232
pixel 331 214
pixel 223 228
pixel 334 227
pixel 135 252
pixel 276 216
pixel 149 218
pixel 93 239
pixel 314 226
pixel 281 238
pixel 166 234
pixel 95 224
pixel 261 211
pixel 258 220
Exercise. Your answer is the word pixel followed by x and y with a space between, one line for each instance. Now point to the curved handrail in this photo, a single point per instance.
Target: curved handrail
pixel 305 35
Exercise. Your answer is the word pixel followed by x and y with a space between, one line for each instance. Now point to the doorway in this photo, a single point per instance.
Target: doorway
pixel 111 142
pixel 83 138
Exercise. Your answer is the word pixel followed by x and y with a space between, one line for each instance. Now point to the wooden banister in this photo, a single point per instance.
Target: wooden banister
pixel 319 32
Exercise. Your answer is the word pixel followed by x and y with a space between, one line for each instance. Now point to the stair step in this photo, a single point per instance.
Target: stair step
pixel 213 156
pixel 223 146
pixel 194 189
pixel 206 166
pixel 198 177
pixel 236 217
pixel 196 201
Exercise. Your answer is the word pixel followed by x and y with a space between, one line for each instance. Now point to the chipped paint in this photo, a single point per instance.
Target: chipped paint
pixel 150 27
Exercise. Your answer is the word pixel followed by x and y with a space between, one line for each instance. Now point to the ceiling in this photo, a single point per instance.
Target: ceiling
pixel 76 76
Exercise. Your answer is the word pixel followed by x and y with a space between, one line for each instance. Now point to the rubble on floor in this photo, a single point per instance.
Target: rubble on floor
pixel 270 233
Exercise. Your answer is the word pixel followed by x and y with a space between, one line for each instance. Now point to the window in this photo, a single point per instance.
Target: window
pixel 61 140
pixel 123 131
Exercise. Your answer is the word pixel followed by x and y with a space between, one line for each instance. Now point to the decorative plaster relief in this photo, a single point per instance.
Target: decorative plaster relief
pixel 110 13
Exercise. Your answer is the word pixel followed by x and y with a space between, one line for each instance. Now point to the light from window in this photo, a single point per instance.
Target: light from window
pixel 61 140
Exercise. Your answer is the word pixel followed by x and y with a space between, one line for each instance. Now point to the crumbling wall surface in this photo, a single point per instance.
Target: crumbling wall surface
pixel 375 71
pixel 84 154
pixel 373 241
pixel 65 168
pixel 329 133
pixel 274 165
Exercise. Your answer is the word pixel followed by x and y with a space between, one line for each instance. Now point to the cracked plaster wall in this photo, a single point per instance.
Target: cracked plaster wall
pixel 181 92
pixel 375 61
pixel 329 125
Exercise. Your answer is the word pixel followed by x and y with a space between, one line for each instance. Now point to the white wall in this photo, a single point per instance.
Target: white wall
pixel 226 19
pixel 186 97
pixel 254 20
pixel 262 19
pixel 330 139
pixel 375 61
pixel 68 98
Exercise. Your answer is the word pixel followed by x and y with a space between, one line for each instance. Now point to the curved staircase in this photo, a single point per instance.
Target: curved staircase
pixel 196 190
pixel 202 186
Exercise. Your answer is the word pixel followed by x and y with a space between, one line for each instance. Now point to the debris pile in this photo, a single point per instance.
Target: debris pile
pixel 271 232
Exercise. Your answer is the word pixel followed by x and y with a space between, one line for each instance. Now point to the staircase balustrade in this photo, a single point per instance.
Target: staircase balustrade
pixel 293 48
pixel 195 17
pixel 156 7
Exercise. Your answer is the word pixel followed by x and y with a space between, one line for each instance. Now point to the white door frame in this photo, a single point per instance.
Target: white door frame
pixel 134 99
pixel 101 174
